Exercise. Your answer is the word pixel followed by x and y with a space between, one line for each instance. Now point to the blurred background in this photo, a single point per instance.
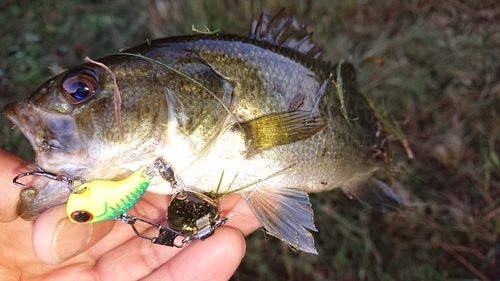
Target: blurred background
pixel 440 84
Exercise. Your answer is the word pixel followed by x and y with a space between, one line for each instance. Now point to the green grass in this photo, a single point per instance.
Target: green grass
pixel 440 84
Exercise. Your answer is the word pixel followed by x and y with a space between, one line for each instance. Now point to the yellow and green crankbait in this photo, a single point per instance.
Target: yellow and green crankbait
pixel 100 200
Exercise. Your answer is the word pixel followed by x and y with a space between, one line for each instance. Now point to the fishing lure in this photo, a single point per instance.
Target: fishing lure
pixel 99 200
pixel 191 215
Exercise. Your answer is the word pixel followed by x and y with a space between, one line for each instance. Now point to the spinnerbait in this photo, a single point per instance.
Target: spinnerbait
pixel 191 215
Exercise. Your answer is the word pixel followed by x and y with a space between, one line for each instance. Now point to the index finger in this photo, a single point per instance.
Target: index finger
pixel 11 165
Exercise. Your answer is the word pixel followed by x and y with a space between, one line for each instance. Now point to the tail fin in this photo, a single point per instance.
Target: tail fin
pixel 376 194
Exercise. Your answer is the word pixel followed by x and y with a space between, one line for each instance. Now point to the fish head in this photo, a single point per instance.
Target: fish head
pixel 71 124
pixel 50 118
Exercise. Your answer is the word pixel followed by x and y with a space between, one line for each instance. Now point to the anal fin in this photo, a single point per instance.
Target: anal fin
pixel 285 214
pixel 281 128
pixel 376 194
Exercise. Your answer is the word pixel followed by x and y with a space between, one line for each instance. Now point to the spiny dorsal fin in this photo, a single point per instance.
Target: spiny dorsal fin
pixel 284 31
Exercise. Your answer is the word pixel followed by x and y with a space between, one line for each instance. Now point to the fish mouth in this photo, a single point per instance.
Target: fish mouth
pixel 51 134
pixel 23 115
pixel 58 146
pixel 43 192
pixel 34 201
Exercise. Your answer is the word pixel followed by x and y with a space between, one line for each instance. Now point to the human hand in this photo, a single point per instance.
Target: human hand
pixel 52 247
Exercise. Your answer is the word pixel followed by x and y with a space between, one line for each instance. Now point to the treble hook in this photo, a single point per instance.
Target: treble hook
pixel 62 178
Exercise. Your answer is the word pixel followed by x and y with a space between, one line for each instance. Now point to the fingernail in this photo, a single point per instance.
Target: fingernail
pixel 244 245
pixel 69 240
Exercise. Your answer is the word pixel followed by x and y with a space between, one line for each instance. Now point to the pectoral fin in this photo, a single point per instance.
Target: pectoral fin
pixel 376 194
pixel 281 128
pixel 285 214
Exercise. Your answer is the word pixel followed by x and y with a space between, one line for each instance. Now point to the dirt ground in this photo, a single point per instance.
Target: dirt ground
pixel 440 85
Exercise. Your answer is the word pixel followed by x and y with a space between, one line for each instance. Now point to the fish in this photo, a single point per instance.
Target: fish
pixel 262 115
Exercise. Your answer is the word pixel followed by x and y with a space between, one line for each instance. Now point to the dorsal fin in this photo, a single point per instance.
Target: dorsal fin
pixel 284 31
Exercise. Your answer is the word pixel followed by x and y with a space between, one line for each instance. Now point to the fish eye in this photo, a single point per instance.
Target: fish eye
pixel 79 85
pixel 81 216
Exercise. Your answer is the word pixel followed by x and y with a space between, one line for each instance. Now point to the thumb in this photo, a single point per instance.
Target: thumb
pixel 57 239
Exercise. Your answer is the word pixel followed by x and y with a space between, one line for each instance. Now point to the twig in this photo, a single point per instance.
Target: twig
pixel 467 264
pixel 435 242
pixel 489 216
pixel 393 130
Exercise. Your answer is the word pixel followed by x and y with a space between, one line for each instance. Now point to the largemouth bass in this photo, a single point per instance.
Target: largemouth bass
pixel 262 115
